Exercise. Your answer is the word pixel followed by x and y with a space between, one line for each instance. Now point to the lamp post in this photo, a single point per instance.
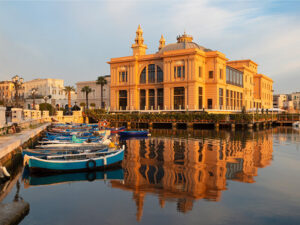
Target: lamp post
pixel 46 98
pixel 33 92
pixel 17 81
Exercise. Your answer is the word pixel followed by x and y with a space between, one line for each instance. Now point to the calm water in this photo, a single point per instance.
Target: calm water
pixel 205 177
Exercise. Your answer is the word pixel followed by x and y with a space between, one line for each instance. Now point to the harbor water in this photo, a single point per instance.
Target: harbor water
pixel 177 177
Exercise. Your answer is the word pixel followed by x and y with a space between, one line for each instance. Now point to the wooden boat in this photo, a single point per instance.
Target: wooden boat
pixel 48 152
pixel 54 179
pixel 117 130
pixel 74 162
pixel 138 133
pixel 76 146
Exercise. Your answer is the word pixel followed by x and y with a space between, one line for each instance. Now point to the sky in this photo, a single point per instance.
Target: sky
pixel 74 40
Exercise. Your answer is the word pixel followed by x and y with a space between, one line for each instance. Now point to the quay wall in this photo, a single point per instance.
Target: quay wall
pixel 19 139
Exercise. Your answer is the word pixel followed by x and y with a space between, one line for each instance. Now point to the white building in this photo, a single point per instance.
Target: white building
pixel 95 95
pixel 53 88
pixel 296 100
pixel 279 101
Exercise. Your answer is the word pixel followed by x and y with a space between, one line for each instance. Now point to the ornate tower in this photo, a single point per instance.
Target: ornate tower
pixel 162 42
pixel 184 38
pixel 139 48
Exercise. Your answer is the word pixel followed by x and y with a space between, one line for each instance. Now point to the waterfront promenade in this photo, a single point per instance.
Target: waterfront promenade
pixel 10 142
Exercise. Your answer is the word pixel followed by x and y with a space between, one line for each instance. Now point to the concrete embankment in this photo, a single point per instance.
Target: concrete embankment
pixel 12 142
pixel 13 212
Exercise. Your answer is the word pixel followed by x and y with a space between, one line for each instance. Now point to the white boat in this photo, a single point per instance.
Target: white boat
pixel 296 124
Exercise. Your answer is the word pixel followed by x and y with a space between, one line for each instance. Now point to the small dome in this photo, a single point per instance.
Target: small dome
pixel 182 45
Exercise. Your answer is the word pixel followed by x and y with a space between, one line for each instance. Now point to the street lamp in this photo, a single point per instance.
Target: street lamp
pixel 17 81
pixel 46 98
pixel 33 92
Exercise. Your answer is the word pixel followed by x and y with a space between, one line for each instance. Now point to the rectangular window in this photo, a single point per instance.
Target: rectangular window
pixel 123 76
pixel 142 99
pixel 200 97
pixel 227 98
pixel 179 97
pixel 160 75
pixel 221 74
pixel 209 103
pixel 211 74
pixel 200 71
pixel 160 98
pixel 221 98
pixel 151 73
pixel 151 99
pixel 123 99
pixel 179 71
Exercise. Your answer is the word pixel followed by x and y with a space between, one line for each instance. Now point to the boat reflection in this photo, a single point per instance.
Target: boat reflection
pixel 188 169
pixel 53 179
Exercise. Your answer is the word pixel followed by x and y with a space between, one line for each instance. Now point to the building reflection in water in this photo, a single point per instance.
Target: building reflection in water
pixel 188 169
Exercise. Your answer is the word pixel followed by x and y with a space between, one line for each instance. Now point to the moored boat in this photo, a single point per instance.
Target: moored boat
pixel 138 133
pixel 74 162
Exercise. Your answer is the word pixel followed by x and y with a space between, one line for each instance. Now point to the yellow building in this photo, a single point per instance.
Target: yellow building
pixel 185 75
pixel 7 92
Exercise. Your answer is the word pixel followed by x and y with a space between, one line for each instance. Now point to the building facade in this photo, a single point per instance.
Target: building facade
pixel 8 93
pixel 295 96
pixel 185 76
pixel 95 96
pixel 52 89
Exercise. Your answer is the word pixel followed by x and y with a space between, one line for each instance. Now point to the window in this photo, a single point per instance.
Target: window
pixel 209 103
pixel 142 99
pixel 160 98
pixel 227 98
pixel 211 74
pixel 151 98
pixel 241 99
pixel 200 71
pixel 151 73
pixel 179 71
pixel 160 75
pixel 200 97
pixel 143 76
pixel 123 76
pixel 221 98
pixel 221 74
pixel 179 98
pixel 123 99
pixel 155 74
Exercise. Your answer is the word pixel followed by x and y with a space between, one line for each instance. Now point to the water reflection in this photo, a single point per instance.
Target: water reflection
pixel 54 179
pixel 188 169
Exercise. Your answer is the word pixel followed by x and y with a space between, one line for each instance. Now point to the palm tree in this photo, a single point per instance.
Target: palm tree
pixel 102 81
pixel 87 90
pixel 68 90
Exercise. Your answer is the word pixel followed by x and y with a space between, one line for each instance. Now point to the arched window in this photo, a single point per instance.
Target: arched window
pixel 143 76
pixel 155 74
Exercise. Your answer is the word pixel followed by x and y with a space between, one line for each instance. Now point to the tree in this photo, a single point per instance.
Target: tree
pixel 68 90
pixel 47 107
pixel 87 90
pixel 101 81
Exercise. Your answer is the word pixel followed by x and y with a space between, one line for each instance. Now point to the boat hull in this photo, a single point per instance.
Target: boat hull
pixel 133 134
pixel 58 166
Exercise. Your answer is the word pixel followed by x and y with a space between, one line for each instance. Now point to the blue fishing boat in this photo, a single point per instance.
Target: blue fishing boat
pixel 138 133
pixel 74 162
pixel 48 152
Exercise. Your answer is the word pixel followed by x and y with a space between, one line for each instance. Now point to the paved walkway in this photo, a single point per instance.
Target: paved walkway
pixel 10 142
